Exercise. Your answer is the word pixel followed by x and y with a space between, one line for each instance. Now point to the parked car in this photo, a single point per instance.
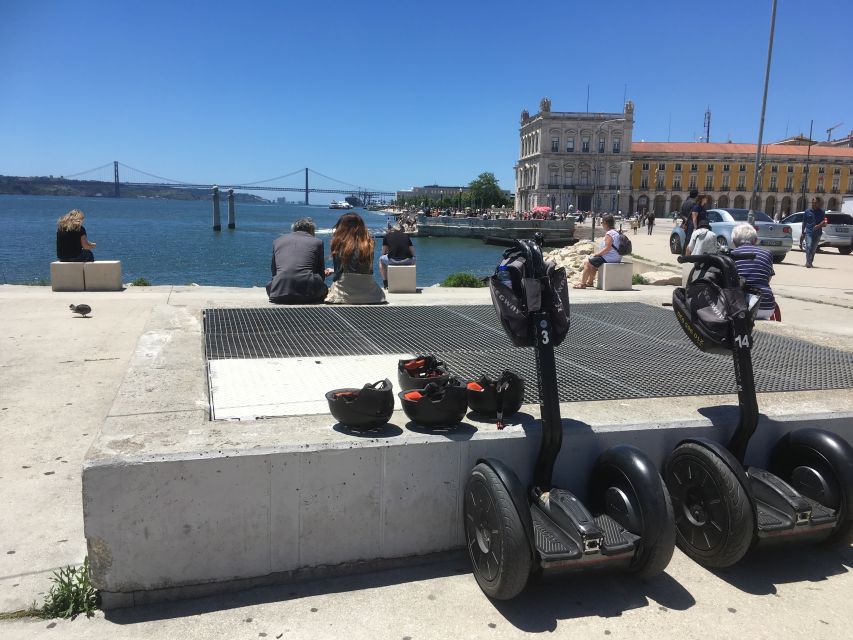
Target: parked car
pixel 773 236
pixel 837 233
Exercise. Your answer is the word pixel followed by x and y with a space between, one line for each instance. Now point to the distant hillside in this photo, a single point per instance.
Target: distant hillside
pixel 50 186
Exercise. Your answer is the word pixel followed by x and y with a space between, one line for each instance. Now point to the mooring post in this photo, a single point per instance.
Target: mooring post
pixel 306 185
pixel 217 224
pixel 230 208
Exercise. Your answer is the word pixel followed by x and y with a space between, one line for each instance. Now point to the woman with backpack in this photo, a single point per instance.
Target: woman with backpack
pixel 608 253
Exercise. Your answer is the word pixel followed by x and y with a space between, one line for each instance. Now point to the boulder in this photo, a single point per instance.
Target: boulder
pixel 662 278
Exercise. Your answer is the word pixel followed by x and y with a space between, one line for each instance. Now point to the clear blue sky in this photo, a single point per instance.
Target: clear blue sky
pixel 394 94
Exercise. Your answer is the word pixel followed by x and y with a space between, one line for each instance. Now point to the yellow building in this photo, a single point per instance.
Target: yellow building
pixel 663 173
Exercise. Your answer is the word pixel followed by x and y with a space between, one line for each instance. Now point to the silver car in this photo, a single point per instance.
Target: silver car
pixel 773 236
pixel 837 233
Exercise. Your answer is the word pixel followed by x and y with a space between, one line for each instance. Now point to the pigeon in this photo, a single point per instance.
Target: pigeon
pixel 82 309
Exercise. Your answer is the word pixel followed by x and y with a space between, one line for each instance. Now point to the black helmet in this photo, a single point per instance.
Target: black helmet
pixel 365 408
pixel 417 372
pixel 437 404
pixel 490 397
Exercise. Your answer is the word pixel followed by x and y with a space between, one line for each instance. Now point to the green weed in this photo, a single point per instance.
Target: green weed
pixel 638 278
pixel 463 280
pixel 71 594
pixel 141 282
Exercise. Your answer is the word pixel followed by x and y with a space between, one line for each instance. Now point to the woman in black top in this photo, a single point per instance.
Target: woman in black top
pixel 72 245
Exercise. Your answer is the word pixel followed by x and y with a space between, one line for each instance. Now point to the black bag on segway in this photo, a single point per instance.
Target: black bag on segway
pixel 705 307
pixel 515 294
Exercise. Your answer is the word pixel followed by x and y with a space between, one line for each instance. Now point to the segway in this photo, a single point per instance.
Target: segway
pixel 722 507
pixel 513 532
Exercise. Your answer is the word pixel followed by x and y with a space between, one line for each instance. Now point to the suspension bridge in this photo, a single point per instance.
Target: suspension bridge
pixel 126 176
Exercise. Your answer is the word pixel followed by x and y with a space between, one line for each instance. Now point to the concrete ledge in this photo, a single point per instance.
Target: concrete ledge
pixel 67 276
pixel 103 276
pixel 175 504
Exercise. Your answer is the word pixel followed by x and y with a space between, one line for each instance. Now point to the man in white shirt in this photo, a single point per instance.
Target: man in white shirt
pixel 703 241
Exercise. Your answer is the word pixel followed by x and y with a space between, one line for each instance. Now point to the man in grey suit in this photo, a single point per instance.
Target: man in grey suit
pixel 298 268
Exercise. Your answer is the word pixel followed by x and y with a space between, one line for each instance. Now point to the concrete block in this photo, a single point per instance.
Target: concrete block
pixel 177 522
pixel 285 492
pixel 340 504
pixel 103 276
pixel 401 278
pixel 615 276
pixel 67 276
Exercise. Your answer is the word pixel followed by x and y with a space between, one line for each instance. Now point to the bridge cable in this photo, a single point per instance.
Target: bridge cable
pixel 80 173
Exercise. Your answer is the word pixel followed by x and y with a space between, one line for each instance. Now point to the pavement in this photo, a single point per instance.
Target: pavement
pixel 59 375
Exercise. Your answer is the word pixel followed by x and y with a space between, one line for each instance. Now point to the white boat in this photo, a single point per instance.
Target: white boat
pixel 334 204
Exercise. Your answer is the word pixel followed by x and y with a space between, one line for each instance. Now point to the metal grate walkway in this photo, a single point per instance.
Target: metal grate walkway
pixel 630 350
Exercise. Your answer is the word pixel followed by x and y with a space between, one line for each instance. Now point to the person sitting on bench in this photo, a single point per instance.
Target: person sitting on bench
pixel 72 244
pixel 607 253
pixel 397 249
pixel 298 267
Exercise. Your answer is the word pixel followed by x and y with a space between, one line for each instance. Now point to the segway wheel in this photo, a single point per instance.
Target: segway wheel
pixel 713 513
pixel 494 533
pixel 626 486
pixel 813 470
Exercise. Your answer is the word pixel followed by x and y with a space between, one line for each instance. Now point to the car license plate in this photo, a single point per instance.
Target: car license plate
pixel 772 243
pixel 841 229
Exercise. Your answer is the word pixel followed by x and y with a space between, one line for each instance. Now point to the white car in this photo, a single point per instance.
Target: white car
pixel 837 233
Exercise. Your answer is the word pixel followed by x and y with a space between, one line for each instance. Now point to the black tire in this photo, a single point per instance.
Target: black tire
pixel 713 514
pixel 845 251
pixel 777 259
pixel 497 545
pixel 649 515
pixel 675 244
pixel 794 462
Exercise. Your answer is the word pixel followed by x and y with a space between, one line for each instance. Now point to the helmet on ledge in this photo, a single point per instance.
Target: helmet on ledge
pixel 365 408
pixel 489 397
pixel 416 373
pixel 436 405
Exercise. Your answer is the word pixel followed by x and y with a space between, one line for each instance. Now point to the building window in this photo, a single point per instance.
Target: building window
pixel 836 171
pixel 661 166
pixel 692 182
pixel 742 168
pixel 601 145
pixel 709 182
pixel 821 170
pixel 676 183
pixel 678 166
pixel 570 145
pixel 773 186
pixel 849 185
pixel 725 167
pixel 659 180
pixel 614 179
pixel 617 145
pixel 741 183
pixel 555 178
pixel 790 168
pixel 645 166
pixel 644 181
pixel 835 181
pixel 584 178
pixel 694 167
pixel 789 183
pixel 585 144
pixel 774 168
pixel 820 184
pixel 725 185
pixel 710 167
pixel 806 169
pixel 555 145
pixel 570 177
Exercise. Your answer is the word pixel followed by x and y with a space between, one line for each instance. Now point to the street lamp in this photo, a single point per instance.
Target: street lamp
pixel 755 176
pixel 460 200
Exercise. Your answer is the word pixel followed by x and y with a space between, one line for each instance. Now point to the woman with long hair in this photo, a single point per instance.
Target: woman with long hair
pixel 352 257
pixel 72 244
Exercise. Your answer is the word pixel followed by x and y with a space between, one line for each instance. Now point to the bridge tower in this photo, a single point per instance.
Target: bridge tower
pixel 306 185
pixel 115 171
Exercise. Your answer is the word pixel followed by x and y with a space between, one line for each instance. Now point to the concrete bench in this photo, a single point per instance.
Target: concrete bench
pixel 67 276
pixel 401 278
pixel 103 276
pixel 86 276
pixel 615 276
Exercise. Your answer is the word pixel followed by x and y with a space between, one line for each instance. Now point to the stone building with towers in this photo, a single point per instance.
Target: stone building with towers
pixel 574 159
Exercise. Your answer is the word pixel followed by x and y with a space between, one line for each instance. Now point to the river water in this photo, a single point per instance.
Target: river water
pixel 172 241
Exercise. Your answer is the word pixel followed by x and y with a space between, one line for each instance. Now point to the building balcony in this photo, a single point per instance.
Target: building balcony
pixel 552 185
pixel 773 189
pixel 834 190
pixel 789 189
pixel 820 190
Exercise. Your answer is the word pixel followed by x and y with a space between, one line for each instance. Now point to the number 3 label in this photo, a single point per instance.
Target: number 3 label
pixel 545 338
